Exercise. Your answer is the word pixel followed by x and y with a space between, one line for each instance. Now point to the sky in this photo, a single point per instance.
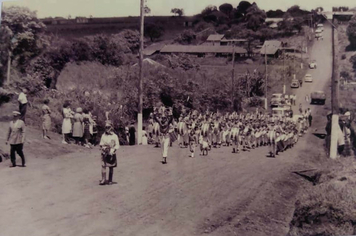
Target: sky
pixel 115 8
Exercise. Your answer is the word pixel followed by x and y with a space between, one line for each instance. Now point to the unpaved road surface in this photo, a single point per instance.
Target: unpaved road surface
pixel 221 194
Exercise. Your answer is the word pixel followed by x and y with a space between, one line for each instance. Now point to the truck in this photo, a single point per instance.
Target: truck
pixel 317 97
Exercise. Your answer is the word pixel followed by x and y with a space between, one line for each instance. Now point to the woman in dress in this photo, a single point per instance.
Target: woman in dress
pixel 46 117
pixel 78 128
pixel 144 136
pixel 87 122
pixel 67 123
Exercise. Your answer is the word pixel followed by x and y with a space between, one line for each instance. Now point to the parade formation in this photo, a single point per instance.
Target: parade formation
pixel 238 131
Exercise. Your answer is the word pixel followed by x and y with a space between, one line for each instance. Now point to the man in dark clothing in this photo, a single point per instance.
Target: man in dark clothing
pixel 132 132
pixel 310 118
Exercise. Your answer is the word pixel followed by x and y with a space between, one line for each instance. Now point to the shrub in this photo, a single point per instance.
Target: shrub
pixel 343 57
pixel 353 61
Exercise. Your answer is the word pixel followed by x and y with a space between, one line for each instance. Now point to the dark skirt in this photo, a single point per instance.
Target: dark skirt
pixel 86 134
pixel 108 160
pixel 132 139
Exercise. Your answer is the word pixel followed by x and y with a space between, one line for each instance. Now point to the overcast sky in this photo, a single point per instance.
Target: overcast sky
pixel 112 8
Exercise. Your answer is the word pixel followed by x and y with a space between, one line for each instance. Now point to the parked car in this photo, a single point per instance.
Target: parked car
pixel 282 111
pixel 294 83
pixel 308 78
pixel 317 97
pixel 312 65
pixel 277 99
pixel 320 26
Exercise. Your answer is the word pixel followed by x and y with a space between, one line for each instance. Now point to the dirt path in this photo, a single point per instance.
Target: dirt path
pixel 222 194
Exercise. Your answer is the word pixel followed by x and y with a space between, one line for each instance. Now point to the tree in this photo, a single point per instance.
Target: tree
pixel 178 11
pixel 241 32
pixel 243 6
pixel 255 17
pixel 186 37
pixel 22 33
pixel 208 10
pixel 287 24
pixel 275 14
pixel 153 31
pixel 226 8
pixel 351 32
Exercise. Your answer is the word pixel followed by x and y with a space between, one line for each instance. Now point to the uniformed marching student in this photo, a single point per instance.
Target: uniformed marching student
pixel 234 138
pixel 192 142
pixel 246 132
pixel 272 139
pixel 164 125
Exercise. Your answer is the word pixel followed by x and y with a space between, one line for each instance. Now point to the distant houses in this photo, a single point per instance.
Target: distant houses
pixel 204 50
pixel 218 46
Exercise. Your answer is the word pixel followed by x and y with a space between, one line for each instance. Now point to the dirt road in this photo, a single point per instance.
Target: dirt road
pixel 221 194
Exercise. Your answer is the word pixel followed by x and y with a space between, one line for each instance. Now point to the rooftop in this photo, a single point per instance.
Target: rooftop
pixel 201 49
pixel 270 47
pixel 215 37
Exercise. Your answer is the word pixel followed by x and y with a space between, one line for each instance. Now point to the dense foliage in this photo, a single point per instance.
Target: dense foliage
pixel 116 50
pixel 21 33
pixel 351 32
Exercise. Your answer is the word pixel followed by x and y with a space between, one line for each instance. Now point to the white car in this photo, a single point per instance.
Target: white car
pixel 277 99
pixel 312 65
pixel 308 78
pixel 320 26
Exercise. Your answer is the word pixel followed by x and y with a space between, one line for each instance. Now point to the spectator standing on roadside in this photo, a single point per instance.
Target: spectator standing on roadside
pixel 67 122
pixel 22 99
pixel 78 127
pixel 46 118
pixel 16 138
pixel 132 136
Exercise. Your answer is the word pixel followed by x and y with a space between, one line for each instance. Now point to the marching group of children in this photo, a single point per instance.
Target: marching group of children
pixel 241 132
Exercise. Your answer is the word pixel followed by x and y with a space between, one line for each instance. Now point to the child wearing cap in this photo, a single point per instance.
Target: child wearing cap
pixel 109 144
pixel 192 142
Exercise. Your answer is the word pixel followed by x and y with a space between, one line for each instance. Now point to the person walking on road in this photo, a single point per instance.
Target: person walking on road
pixel 109 144
pixel 16 138
pixel 166 120
pixel 22 99
pixel 310 117
pixel 300 109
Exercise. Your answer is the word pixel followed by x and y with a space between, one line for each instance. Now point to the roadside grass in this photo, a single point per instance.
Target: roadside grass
pixel 329 207
pixel 347 95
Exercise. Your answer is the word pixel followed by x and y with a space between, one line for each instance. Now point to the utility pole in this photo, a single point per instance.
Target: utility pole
pixel 334 102
pixel 266 102
pixel 233 78
pixel 8 68
pixel 140 88
pixel 284 74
